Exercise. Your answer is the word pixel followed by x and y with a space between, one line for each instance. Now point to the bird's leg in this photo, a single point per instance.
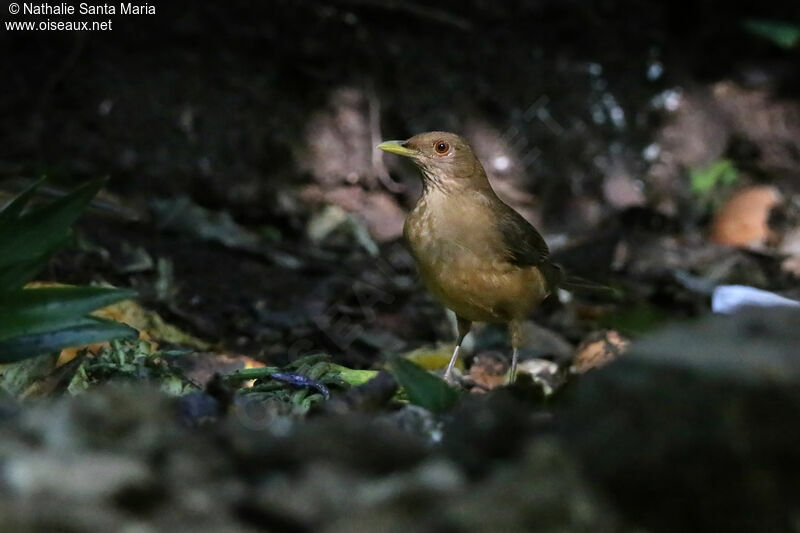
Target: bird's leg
pixel 463 329
pixel 448 374
pixel 512 376
pixel 517 338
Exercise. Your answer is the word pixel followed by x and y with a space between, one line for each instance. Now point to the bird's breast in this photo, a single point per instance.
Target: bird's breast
pixel 459 258
pixel 444 232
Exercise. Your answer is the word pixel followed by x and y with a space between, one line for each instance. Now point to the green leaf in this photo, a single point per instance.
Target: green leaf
pixel 783 34
pixel 422 387
pixel 18 274
pixel 351 376
pixel 31 311
pixel 43 230
pixel 13 209
pixel 90 331
pixel 706 179
pixel 43 320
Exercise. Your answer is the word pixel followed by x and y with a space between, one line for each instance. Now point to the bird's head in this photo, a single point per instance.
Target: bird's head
pixel 445 159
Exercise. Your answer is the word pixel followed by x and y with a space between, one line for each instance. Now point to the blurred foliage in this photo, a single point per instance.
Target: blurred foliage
pixel 35 321
pixel 352 376
pixel 783 34
pixel 304 382
pixel 301 384
pixel 635 320
pixel 135 361
pixel 708 184
pixel 314 366
pixel 718 174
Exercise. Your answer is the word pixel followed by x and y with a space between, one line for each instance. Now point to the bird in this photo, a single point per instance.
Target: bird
pixel 478 256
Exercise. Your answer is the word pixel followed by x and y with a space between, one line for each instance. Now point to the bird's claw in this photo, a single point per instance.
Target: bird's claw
pixel 454 379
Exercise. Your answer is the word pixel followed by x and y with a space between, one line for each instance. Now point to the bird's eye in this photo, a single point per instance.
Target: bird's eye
pixel 441 147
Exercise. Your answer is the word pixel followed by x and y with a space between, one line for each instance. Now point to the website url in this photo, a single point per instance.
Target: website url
pixel 52 25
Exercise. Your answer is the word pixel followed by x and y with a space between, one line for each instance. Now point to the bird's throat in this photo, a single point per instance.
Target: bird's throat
pixel 431 181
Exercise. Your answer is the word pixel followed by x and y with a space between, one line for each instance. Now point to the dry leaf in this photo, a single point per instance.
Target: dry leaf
pixel 743 219
pixel 598 350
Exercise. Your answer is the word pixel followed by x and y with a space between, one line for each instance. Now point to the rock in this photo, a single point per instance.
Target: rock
pixel 541 341
pixel 89 475
pixel 699 418
pixel 544 492
pixel 543 372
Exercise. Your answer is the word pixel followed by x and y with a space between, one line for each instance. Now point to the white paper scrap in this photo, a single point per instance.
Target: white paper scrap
pixel 728 299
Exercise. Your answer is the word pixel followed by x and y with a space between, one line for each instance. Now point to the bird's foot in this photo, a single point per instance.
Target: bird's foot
pixel 512 372
pixel 454 378
pixel 511 376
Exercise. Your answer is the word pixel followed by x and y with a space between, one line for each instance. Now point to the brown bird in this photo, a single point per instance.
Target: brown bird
pixel 477 255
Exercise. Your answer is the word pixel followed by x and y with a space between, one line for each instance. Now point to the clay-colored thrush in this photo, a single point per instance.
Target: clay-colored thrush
pixel 478 256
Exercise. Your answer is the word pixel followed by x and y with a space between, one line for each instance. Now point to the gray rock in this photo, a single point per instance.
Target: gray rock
pixel 697 428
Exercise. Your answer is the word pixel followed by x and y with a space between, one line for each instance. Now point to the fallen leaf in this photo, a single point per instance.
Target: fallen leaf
pixel 150 325
pixel 488 371
pixel 598 350
pixel 743 219
pixel 434 358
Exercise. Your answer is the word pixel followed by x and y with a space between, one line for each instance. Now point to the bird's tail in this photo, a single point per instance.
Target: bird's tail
pixel 577 283
pixel 557 277
pixel 554 275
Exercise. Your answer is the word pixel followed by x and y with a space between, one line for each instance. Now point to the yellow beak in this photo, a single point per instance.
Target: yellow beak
pixel 396 147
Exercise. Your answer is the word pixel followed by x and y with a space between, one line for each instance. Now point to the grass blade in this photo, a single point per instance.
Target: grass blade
pixel 18 274
pixel 90 331
pixel 783 34
pixel 43 230
pixel 31 311
pixel 14 208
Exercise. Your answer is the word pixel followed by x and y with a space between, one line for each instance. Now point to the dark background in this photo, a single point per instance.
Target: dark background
pixel 266 112
pixel 217 100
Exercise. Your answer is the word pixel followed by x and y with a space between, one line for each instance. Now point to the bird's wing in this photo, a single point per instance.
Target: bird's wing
pixel 526 247
pixel 523 244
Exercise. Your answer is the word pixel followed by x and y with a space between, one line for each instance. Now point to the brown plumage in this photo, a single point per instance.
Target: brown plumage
pixel 478 256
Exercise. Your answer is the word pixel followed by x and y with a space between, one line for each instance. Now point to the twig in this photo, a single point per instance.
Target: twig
pixel 375 133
